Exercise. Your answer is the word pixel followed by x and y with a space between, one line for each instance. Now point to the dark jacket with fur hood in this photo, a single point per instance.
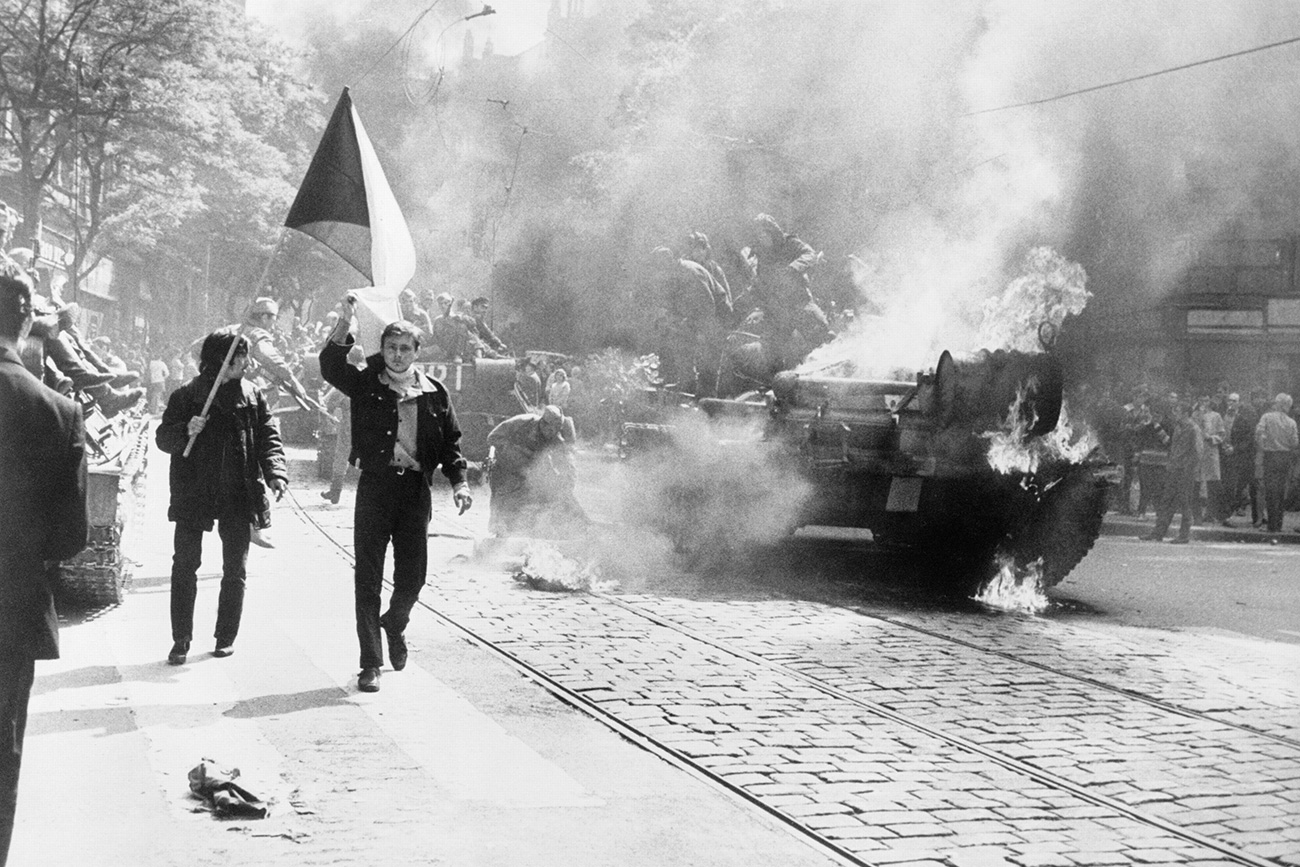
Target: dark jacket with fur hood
pixel 239 416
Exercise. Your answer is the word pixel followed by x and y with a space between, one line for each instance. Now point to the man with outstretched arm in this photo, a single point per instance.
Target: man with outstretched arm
pixel 403 427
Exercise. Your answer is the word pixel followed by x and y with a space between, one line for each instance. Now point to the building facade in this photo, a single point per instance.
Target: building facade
pixel 1233 317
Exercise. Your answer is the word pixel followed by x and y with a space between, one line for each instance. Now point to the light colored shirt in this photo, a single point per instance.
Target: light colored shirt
pixel 408 415
pixel 1276 432
pixel 558 393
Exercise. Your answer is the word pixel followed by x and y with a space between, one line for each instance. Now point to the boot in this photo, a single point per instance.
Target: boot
pixel 112 401
pixel 90 379
pixel 63 352
pixel 125 378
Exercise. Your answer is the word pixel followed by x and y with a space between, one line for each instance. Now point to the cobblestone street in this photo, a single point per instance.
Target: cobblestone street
pixel 672 721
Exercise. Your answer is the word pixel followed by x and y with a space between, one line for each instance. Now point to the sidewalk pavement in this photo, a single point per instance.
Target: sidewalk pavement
pixel 1116 524
pixel 458 760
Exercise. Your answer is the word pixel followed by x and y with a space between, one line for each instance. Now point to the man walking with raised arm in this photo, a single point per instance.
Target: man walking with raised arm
pixel 403 428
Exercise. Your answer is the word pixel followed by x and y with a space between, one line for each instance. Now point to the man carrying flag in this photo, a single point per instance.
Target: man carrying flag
pixel 403 427
pixel 402 422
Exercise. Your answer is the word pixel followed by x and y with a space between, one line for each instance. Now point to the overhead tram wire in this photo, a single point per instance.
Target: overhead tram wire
pixel 398 41
pixel 1134 78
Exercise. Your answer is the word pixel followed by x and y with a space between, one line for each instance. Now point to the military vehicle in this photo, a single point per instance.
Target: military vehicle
pixel 483 393
pixel 964 467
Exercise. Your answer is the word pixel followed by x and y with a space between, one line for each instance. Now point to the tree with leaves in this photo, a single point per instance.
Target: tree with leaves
pixel 152 123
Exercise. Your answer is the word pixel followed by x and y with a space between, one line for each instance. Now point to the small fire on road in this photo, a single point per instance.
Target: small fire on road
pixel 1017 590
pixel 546 567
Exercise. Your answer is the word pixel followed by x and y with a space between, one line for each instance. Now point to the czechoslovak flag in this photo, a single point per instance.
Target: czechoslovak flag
pixel 345 202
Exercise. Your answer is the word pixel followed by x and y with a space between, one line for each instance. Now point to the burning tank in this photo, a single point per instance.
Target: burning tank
pixel 969 465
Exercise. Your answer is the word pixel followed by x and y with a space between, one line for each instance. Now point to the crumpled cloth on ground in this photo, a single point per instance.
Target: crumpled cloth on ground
pixel 226 799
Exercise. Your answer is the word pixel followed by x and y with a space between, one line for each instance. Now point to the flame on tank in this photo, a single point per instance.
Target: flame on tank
pixel 1012 589
pixel 1011 450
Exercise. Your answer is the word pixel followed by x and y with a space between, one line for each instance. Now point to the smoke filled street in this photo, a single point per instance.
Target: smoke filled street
pixel 737 433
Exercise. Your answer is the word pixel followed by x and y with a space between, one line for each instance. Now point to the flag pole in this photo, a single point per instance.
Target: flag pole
pixel 230 353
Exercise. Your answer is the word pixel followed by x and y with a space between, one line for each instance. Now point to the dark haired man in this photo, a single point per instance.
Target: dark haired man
pixel 1239 459
pixel 452 333
pixel 43 501
pixel 493 346
pixel 236 452
pixel 1185 449
pixel 403 428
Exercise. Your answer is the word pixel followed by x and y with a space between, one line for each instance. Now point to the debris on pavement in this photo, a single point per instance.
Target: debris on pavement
pixel 222 795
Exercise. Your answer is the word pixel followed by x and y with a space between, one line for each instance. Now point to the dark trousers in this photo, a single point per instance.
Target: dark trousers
pixel 1151 486
pixel 1123 498
pixel 1179 494
pixel 17 671
pixel 187 556
pixel 396 507
pixel 1209 508
pixel 1277 469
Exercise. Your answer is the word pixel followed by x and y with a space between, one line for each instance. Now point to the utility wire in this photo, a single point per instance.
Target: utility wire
pixel 418 19
pixel 1136 77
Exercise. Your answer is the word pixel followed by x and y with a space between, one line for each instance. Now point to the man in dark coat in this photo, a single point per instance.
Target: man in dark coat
pixel 1185 448
pixel 782 289
pixel 236 455
pixel 403 428
pixel 1239 458
pixel 43 501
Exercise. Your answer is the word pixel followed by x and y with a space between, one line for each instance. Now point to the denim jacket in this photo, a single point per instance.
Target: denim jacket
pixel 374 416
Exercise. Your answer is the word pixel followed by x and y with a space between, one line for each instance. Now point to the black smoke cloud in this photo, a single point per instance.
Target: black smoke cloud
pixel 853 123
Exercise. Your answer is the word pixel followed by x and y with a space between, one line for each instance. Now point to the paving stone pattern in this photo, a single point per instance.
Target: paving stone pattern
pixel 881 790
pixel 1243 681
pixel 1219 781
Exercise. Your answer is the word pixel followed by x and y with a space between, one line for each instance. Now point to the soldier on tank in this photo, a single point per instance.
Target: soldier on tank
pixel 795 323
pixel 451 333
pixel 269 370
pixel 492 346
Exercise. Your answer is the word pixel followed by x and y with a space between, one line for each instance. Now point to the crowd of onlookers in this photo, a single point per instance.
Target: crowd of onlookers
pixel 459 333
pixel 126 377
pixel 1210 457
